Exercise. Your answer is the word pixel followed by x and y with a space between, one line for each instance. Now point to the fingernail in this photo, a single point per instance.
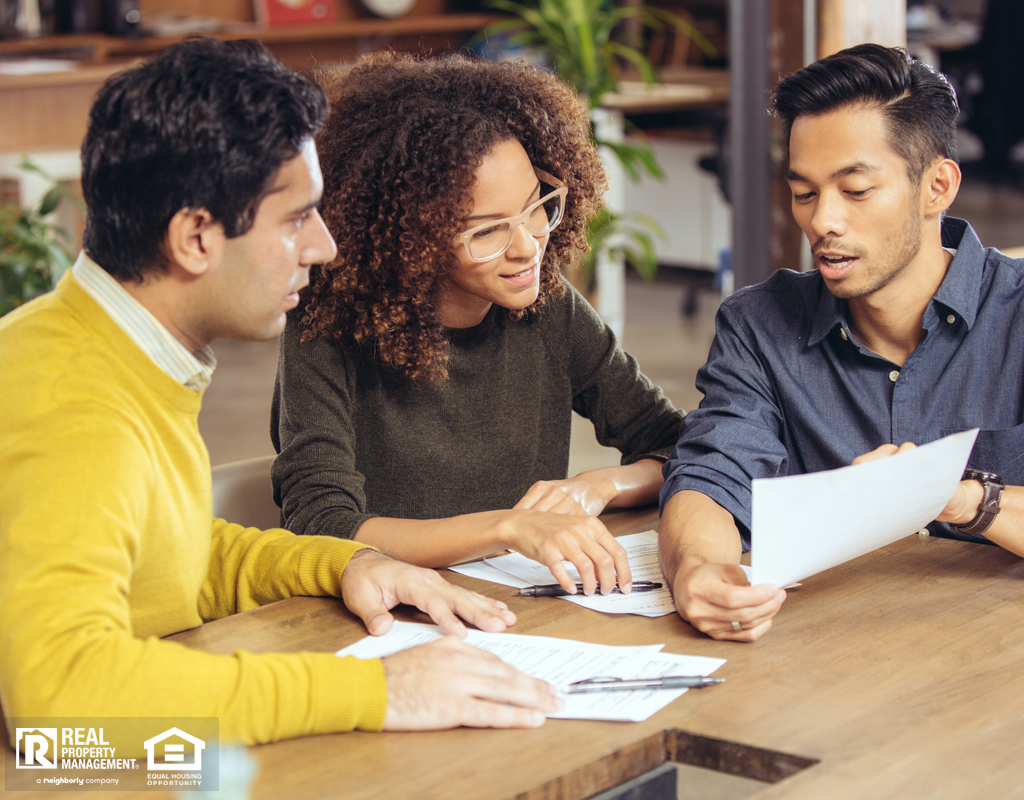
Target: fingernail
pixel 537 718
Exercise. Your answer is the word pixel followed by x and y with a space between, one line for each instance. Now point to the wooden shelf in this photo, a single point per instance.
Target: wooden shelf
pixel 49 111
pixel 297 46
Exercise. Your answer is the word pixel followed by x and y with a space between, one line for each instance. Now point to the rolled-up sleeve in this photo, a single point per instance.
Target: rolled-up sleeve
pixel 736 434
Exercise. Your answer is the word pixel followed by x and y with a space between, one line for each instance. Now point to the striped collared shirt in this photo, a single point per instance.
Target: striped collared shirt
pixel 193 370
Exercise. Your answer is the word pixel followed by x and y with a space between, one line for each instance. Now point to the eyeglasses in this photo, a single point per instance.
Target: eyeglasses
pixel 493 238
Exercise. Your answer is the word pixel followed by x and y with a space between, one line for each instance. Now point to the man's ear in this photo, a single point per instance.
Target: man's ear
pixel 939 187
pixel 193 240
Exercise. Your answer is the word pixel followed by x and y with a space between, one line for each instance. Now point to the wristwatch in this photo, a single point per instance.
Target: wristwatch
pixel 989 507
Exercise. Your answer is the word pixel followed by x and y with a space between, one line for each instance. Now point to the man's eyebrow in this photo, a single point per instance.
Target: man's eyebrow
pixel 852 169
pixel 536 189
pixel 308 207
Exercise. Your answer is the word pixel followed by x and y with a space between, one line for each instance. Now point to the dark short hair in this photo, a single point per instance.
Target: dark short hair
pixel 918 102
pixel 205 124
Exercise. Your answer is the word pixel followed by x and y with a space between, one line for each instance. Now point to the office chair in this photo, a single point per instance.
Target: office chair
pixel 243 493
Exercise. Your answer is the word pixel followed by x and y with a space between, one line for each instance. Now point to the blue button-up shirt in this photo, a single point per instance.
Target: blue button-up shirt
pixel 788 390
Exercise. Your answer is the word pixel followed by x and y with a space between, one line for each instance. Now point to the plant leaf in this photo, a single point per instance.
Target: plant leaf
pixel 50 201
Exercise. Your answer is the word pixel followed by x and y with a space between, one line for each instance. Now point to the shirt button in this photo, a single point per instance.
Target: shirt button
pixel 951 319
pixel 924 532
pixel 842 332
pixel 894 375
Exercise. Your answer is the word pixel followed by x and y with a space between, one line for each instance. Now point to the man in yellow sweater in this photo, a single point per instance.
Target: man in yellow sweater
pixel 202 184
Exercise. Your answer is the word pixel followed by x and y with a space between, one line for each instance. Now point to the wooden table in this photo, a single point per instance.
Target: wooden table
pixel 895 675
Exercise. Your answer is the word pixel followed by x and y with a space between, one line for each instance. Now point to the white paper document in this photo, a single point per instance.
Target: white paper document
pixel 642 551
pixel 561 662
pixel 805 524
pixel 485 572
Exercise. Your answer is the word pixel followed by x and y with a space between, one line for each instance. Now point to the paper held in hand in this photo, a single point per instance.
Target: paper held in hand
pixel 805 524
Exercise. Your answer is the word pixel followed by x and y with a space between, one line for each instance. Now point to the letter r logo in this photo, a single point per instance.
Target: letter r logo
pixel 35 748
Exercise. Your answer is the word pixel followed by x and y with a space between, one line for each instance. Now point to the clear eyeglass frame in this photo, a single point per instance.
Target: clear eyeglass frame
pixel 512 223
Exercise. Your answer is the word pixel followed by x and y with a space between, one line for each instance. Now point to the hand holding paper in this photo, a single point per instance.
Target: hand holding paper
pixel 804 524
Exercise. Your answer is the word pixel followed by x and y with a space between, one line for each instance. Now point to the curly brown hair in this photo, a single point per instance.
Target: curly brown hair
pixel 399 151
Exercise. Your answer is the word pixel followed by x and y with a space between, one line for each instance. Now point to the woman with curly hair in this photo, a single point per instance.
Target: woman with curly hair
pixel 427 381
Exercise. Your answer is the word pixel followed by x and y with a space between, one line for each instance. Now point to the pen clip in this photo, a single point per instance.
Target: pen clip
pixel 598 681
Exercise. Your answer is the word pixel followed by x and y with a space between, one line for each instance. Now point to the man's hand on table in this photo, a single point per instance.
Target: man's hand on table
pixel 448 684
pixel 373 583
pixel 713 596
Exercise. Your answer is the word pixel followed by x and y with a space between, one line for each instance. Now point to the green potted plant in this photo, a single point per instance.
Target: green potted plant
pixel 34 251
pixel 588 44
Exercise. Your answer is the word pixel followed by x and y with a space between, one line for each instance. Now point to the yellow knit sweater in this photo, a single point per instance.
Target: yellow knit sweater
pixel 107 541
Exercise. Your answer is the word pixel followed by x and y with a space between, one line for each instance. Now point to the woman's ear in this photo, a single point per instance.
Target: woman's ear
pixel 193 240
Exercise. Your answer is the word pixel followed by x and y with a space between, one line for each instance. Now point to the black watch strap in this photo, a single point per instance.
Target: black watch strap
pixel 989 507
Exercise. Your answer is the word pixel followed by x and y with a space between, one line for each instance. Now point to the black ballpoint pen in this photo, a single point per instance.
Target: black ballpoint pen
pixel 554 590
pixel 639 684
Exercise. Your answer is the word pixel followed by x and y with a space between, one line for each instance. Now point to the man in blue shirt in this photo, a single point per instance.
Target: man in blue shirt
pixel 907 331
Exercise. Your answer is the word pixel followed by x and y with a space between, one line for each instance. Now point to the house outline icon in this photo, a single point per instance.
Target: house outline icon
pixel 197 744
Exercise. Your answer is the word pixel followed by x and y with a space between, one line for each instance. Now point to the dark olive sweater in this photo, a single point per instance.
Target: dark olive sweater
pixel 354 442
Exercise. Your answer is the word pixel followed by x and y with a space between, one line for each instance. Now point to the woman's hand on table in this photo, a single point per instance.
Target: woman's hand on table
pixel 583 541
pixel 577 496
pixel 594 490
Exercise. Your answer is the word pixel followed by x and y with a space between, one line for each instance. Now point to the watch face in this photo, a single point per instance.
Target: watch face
pixel 389 8
pixel 981 476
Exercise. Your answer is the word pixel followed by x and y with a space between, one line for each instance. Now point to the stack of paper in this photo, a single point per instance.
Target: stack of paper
pixel 561 662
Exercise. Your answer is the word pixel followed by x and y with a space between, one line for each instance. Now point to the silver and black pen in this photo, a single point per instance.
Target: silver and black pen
pixel 554 590
pixel 641 684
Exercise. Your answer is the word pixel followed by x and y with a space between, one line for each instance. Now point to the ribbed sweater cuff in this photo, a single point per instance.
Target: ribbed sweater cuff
pixel 325 562
pixel 350 694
